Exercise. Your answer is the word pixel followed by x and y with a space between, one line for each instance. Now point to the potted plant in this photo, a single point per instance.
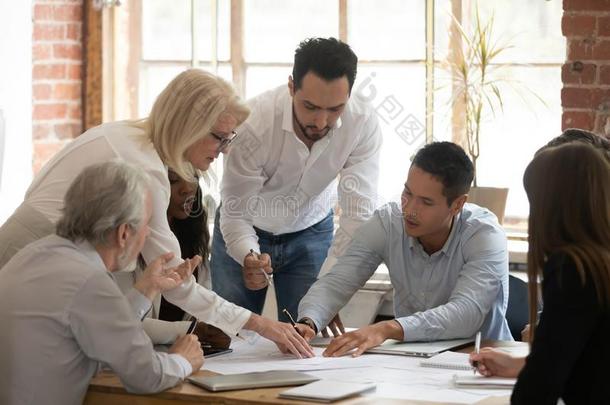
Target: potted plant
pixel 476 81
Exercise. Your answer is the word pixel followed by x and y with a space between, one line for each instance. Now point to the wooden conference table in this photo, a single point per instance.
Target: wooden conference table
pixel 106 389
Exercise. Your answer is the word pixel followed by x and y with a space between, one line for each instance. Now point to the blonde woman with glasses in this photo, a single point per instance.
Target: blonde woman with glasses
pixel 192 121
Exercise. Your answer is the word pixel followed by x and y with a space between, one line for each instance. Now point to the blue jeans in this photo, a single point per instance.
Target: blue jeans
pixel 296 259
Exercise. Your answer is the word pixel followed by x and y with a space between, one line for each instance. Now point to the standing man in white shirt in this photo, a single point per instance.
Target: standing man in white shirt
pixel 302 144
pixel 62 313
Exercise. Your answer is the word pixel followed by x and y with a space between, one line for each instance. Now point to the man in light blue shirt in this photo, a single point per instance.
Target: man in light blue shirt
pixel 448 262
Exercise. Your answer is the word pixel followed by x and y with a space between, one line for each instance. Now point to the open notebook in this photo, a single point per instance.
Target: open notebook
pixel 448 360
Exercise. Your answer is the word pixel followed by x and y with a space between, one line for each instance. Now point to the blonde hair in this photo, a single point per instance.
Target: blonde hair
pixel 185 111
pixel 568 188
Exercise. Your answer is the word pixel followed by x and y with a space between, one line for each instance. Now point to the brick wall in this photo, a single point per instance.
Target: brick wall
pixel 585 96
pixel 56 76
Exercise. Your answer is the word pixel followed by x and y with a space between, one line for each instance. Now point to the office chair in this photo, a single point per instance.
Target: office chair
pixel 517 311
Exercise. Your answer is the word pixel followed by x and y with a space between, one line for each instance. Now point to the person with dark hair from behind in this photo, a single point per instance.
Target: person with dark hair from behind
pixel 568 188
pixel 448 262
pixel 187 219
pixel 279 186
pixel 568 136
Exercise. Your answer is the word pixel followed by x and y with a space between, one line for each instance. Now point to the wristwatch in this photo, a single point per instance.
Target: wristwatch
pixel 308 322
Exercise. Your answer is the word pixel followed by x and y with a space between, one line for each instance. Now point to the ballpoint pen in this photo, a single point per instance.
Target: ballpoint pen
pixel 292 322
pixel 267 276
pixel 477 348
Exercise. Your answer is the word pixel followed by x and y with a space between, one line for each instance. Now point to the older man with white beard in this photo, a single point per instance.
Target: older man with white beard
pixel 62 313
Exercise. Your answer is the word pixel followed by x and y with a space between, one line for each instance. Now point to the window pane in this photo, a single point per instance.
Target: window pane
pixel 274 28
pixel 389 29
pixel 523 23
pixel 166 30
pixel 443 111
pixel 398 95
pixel 261 79
pixel 442 24
pixel 153 80
pixel 203 29
pixel 509 139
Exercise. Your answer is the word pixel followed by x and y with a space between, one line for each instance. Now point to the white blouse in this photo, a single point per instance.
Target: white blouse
pixel 127 142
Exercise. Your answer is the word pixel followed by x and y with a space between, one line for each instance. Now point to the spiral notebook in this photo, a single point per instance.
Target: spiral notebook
pixel 448 360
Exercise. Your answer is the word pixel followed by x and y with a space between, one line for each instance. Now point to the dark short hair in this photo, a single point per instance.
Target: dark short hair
pixel 328 58
pixel 449 163
pixel 579 135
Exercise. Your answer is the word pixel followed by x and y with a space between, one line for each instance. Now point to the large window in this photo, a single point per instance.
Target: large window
pixel 252 42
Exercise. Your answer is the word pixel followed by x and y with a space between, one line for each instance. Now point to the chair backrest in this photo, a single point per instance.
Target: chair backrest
pixel 517 311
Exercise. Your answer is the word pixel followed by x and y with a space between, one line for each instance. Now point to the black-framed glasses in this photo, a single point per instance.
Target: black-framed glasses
pixel 224 141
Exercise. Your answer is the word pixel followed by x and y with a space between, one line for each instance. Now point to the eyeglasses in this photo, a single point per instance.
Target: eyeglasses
pixel 224 141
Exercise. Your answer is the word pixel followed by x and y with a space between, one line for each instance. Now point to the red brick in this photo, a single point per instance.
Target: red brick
pixel 74 31
pixel 43 12
pixel 580 49
pixel 49 111
pixel 578 25
pixel 48 32
pixel 575 97
pixel 68 131
pixel 41 91
pixel 604 74
pixel 586 5
pixel 43 151
pixel 578 73
pixel 67 91
pixel 74 71
pixel 49 71
pixel 71 12
pixel 578 119
pixel 75 112
pixel 41 131
pixel 41 51
pixel 71 51
pixel 603 26
pixel 601 50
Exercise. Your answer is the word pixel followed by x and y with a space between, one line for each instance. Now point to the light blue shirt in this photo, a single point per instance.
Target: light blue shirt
pixel 453 293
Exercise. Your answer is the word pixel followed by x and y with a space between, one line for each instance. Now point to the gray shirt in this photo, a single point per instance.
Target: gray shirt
pixel 62 315
pixel 452 293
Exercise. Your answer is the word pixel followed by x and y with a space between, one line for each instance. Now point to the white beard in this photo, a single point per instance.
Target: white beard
pixel 124 264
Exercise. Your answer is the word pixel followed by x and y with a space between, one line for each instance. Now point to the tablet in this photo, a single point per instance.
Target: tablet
pixel 278 378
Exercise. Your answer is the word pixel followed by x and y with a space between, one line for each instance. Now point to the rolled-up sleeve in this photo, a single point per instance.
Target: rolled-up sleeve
pixel 242 180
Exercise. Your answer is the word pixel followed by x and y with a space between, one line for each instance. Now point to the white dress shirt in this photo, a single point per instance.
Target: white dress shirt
pixel 272 181
pixel 127 142
pixel 63 315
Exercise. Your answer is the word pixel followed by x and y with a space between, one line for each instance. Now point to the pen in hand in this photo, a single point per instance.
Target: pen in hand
pixel 267 276
pixel 292 322
pixel 192 326
pixel 477 348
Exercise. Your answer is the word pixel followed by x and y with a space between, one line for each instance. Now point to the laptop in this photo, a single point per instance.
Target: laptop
pixel 419 349
pixel 264 379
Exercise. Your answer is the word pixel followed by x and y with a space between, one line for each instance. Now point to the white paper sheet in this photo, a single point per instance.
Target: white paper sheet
pixel 399 377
